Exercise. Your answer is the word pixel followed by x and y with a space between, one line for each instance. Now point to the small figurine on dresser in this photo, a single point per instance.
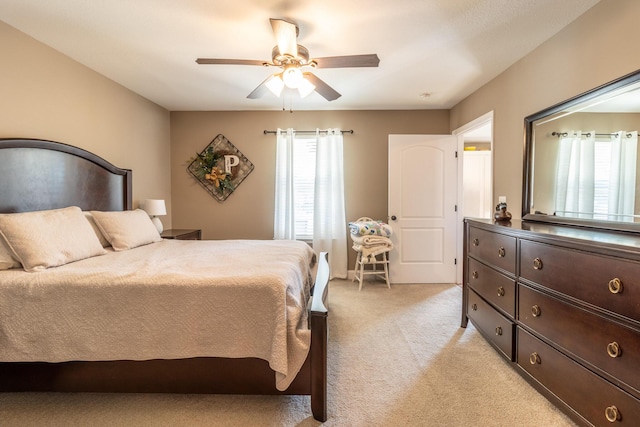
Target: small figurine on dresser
pixel 501 214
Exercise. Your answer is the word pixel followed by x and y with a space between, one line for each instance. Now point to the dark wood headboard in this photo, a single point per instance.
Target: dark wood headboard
pixel 38 174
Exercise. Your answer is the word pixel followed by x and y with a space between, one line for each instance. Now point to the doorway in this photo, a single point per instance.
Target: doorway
pixel 475 175
pixel 417 262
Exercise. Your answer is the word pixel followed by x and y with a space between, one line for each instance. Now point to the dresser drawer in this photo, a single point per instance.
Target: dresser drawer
pixel 493 248
pixel 611 347
pixel 494 287
pixel 496 328
pixel 588 277
pixel 587 393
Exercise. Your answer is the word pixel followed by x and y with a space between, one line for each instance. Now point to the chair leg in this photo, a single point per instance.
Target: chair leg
pixel 386 269
pixel 361 272
pixel 355 268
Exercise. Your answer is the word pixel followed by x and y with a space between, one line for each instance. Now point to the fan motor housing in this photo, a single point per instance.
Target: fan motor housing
pixel 301 59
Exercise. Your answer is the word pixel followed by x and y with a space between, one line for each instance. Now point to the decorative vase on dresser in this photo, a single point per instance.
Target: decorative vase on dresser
pixel 562 304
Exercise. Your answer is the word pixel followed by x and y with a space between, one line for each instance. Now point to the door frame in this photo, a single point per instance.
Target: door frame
pixel 460 132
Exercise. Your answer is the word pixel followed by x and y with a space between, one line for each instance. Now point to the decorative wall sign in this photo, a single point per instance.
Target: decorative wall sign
pixel 220 168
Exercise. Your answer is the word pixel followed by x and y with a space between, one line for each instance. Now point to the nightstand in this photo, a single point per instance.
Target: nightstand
pixel 182 234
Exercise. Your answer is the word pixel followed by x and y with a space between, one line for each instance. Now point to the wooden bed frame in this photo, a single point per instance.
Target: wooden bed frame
pixel 38 175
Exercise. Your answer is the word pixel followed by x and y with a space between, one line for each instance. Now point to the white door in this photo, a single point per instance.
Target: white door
pixel 422 208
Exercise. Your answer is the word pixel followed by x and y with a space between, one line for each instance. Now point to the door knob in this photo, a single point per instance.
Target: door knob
pixel 393 218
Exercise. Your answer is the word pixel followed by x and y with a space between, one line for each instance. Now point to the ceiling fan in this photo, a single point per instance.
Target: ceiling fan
pixel 293 59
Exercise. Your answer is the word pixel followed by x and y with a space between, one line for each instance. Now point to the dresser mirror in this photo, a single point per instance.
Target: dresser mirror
pixel 580 159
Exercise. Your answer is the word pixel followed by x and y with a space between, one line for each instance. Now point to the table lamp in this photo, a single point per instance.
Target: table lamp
pixel 155 208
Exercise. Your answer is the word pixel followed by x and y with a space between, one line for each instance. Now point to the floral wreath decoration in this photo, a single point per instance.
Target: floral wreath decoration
pixel 220 167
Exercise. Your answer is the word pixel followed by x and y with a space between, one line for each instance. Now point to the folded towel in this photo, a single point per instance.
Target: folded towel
pixel 373 245
pixel 370 240
pixel 357 239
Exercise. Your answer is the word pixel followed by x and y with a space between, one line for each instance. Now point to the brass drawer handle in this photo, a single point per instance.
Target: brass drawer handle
pixel 537 264
pixel 498 331
pixel 615 286
pixel 535 359
pixel 614 350
pixel 476 242
pixel 535 310
pixel 501 252
pixel 500 291
pixel 474 307
pixel 612 414
pixel 474 274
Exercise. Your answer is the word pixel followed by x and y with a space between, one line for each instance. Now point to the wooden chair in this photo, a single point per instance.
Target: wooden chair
pixel 374 261
pixel 379 264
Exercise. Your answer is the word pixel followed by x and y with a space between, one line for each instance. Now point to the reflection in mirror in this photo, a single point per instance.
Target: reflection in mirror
pixel 581 157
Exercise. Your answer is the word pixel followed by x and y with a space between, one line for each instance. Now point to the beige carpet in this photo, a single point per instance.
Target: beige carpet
pixel 397 358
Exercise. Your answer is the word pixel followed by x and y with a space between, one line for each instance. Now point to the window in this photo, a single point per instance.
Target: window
pixel 304 176
pixel 602 160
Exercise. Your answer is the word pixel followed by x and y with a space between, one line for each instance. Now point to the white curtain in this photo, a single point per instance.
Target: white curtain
pixel 575 175
pixel 329 222
pixel 284 218
pixel 622 175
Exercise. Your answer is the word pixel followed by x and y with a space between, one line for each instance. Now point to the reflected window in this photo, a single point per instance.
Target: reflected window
pixel 596 175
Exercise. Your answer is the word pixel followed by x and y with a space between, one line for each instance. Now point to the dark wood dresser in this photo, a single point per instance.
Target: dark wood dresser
pixel 562 304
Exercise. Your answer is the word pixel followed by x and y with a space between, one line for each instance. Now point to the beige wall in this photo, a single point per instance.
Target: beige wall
pixel 248 212
pixel 47 95
pixel 598 47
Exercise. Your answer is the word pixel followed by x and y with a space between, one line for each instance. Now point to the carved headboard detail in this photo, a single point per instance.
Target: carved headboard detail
pixel 38 174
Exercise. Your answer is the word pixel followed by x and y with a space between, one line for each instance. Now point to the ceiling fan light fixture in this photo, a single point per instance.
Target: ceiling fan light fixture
pixel 305 88
pixel 275 84
pixel 292 77
pixel 292 58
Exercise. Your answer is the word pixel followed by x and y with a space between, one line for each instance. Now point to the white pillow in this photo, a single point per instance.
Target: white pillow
pixel 43 239
pixel 103 240
pixel 126 229
pixel 7 260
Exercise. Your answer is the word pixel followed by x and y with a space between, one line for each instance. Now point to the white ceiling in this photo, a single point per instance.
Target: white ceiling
pixel 445 49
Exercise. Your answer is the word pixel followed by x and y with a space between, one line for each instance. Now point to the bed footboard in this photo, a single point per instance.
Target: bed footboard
pixel 319 339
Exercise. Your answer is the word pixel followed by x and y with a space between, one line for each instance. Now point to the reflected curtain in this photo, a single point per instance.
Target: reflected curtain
pixel 284 217
pixel 575 175
pixel 622 175
pixel 329 221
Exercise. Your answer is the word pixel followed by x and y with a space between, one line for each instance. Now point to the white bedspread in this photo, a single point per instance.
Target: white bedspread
pixel 167 300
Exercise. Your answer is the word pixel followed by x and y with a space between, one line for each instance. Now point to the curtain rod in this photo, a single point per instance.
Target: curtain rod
pixel 307 131
pixel 588 134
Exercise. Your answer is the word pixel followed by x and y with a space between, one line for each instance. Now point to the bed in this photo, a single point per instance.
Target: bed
pixel 151 345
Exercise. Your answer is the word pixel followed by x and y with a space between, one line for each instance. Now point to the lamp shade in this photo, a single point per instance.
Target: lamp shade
pixel 305 88
pixel 154 207
pixel 292 77
pixel 275 84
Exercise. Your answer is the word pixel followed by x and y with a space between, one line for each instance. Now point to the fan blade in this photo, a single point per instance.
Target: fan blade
pixel 230 61
pixel 258 92
pixel 261 90
pixel 322 88
pixel 268 86
pixel 285 34
pixel 348 61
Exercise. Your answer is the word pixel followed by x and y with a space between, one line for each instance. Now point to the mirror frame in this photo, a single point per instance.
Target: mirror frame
pixel 527 181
